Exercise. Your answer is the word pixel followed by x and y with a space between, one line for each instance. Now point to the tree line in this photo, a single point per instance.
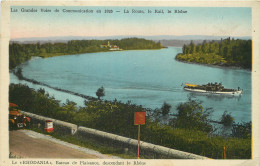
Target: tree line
pixel 189 131
pixel 19 53
pixel 227 52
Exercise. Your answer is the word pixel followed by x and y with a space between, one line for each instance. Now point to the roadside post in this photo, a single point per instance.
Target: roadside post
pixel 139 120
pixel 48 126
pixel 225 155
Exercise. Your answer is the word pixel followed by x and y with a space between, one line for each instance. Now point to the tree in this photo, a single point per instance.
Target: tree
pixel 21 95
pixel 242 130
pixel 100 92
pixel 227 119
pixel 41 90
pixel 165 108
pixel 193 47
pixel 184 49
pixel 191 115
pixel 19 73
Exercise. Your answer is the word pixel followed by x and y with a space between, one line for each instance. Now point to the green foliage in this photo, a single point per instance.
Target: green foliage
pixel 19 53
pixel 19 73
pixel 39 102
pixel 197 142
pixel 118 118
pixel 113 117
pixel 191 115
pixel 21 95
pixel 242 130
pixel 165 108
pixel 208 58
pixel 226 119
pixel 136 43
pixel 226 53
pixel 100 92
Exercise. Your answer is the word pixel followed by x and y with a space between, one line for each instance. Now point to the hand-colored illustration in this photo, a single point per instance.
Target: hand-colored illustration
pixel 79 74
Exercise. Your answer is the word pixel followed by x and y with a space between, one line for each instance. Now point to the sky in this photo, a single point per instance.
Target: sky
pixel 212 21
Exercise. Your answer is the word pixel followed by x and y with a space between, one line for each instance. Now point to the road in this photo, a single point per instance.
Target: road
pixel 30 144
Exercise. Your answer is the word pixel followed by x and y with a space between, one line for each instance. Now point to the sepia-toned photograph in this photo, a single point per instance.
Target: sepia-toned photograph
pixel 129 84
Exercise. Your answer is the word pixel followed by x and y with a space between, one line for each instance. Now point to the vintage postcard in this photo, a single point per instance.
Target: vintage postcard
pixel 129 83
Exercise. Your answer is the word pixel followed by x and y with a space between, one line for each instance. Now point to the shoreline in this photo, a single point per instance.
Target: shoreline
pixel 21 77
pixel 58 54
pixel 215 66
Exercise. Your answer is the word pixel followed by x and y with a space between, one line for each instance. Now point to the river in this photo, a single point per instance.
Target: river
pixel 145 77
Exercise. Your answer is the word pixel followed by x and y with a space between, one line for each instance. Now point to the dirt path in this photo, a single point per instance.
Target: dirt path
pixel 29 144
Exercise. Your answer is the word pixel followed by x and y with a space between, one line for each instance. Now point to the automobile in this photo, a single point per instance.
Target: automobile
pixel 16 118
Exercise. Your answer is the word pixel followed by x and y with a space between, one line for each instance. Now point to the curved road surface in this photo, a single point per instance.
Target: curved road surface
pixel 30 144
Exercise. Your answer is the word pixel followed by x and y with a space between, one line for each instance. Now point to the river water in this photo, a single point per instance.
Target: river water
pixel 145 77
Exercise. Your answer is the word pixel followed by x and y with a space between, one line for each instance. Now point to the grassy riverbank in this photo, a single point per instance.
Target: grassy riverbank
pixel 117 117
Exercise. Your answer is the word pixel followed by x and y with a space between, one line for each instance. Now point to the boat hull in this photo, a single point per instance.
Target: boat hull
pixel 235 92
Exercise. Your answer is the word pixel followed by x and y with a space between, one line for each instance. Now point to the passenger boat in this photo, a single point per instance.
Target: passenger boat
pixel 214 88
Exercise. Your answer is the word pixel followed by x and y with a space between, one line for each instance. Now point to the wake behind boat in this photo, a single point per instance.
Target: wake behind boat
pixel 214 88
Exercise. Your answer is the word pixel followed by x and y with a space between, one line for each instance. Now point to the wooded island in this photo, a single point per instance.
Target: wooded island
pixel 227 52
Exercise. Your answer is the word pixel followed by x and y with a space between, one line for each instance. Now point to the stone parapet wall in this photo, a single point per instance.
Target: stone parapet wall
pixel 126 144
pixel 59 126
